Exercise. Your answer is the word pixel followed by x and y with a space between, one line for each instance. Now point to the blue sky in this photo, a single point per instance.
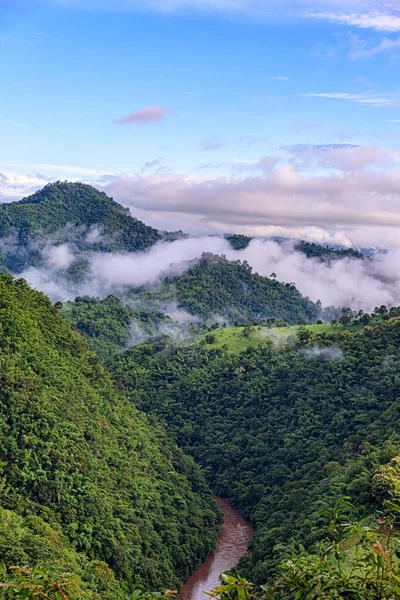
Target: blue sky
pixel 242 94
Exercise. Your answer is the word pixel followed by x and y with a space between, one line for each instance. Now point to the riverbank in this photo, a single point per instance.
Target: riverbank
pixel 231 545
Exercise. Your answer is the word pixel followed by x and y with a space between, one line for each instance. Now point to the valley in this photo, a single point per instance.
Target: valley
pixel 123 413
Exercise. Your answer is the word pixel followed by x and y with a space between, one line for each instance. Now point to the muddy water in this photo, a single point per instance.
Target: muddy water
pixel 231 546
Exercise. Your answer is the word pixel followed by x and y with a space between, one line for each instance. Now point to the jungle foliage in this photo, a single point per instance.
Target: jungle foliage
pixel 64 212
pixel 281 431
pixel 88 484
pixel 215 286
pixel 110 325
pixel 326 253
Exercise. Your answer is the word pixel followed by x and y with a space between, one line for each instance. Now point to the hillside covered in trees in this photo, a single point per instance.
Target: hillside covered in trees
pixel 111 326
pixel 88 484
pixel 215 286
pixel 282 431
pixel 282 423
pixel 68 212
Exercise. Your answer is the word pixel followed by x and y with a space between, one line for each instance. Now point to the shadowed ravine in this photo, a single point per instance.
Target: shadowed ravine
pixel 231 546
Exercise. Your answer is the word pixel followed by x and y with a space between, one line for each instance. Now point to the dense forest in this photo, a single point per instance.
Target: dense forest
pixel 283 432
pixel 214 286
pixel 310 249
pixel 67 212
pixel 212 290
pixel 105 467
pixel 88 484
pixel 110 325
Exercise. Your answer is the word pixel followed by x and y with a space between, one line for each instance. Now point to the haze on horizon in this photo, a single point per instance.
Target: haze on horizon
pixel 213 116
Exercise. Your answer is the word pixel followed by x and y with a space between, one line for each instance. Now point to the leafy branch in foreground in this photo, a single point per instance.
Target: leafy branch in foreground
pixel 362 564
pixel 30 584
pixel 33 583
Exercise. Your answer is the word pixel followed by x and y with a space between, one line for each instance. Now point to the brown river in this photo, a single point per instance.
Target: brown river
pixel 231 546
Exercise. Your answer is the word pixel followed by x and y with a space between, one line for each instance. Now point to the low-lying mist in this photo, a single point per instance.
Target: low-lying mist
pixel 359 284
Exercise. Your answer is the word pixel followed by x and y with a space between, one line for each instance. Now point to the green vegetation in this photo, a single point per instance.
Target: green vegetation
pixel 360 561
pixel 282 432
pixel 212 289
pixel 239 242
pixel 214 286
pixel 325 253
pixel 110 325
pixel 88 484
pixel 311 250
pixel 29 584
pixel 238 339
pixel 67 212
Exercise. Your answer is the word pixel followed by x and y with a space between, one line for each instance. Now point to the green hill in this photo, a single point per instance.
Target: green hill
pixel 68 212
pixel 310 249
pixel 215 287
pixel 88 484
pixel 326 253
pixel 282 430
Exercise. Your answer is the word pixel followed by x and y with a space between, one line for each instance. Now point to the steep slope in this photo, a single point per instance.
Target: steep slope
pixel 284 431
pixel 111 326
pixel 101 485
pixel 68 212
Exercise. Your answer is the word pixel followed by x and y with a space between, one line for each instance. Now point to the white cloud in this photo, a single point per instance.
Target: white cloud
pixel 386 45
pixel 13 186
pixel 355 204
pixel 380 21
pixel 346 282
pixel 332 193
pixel 364 98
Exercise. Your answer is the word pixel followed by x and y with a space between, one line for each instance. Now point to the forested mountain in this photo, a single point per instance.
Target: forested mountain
pixel 72 212
pixel 326 253
pixel 310 249
pixel 282 425
pixel 282 431
pixel 213 289
pixel 214 286
pixel 88 484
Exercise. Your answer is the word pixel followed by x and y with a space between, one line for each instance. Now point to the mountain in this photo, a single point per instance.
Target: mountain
pixel 216 287
pixel 88 484
pixel 285 428
pixel 73 212
pixel 212 290
pixel 310 249
pixel 326 253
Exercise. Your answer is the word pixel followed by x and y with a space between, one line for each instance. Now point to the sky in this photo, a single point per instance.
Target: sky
pixel 261 117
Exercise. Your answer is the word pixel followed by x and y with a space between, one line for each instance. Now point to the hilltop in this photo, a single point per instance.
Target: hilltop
pixel 212 290
pixel 73 212
pixel 310 249
pixel 214 286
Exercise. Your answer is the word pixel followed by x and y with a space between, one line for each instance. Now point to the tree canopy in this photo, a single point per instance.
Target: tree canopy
pixel 88 484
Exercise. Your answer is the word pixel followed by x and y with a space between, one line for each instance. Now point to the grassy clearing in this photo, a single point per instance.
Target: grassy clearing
pixel 236 341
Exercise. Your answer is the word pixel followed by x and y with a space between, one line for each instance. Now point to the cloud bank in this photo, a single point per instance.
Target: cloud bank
pixel 351 197
pixel 360 284
pixel 344 194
